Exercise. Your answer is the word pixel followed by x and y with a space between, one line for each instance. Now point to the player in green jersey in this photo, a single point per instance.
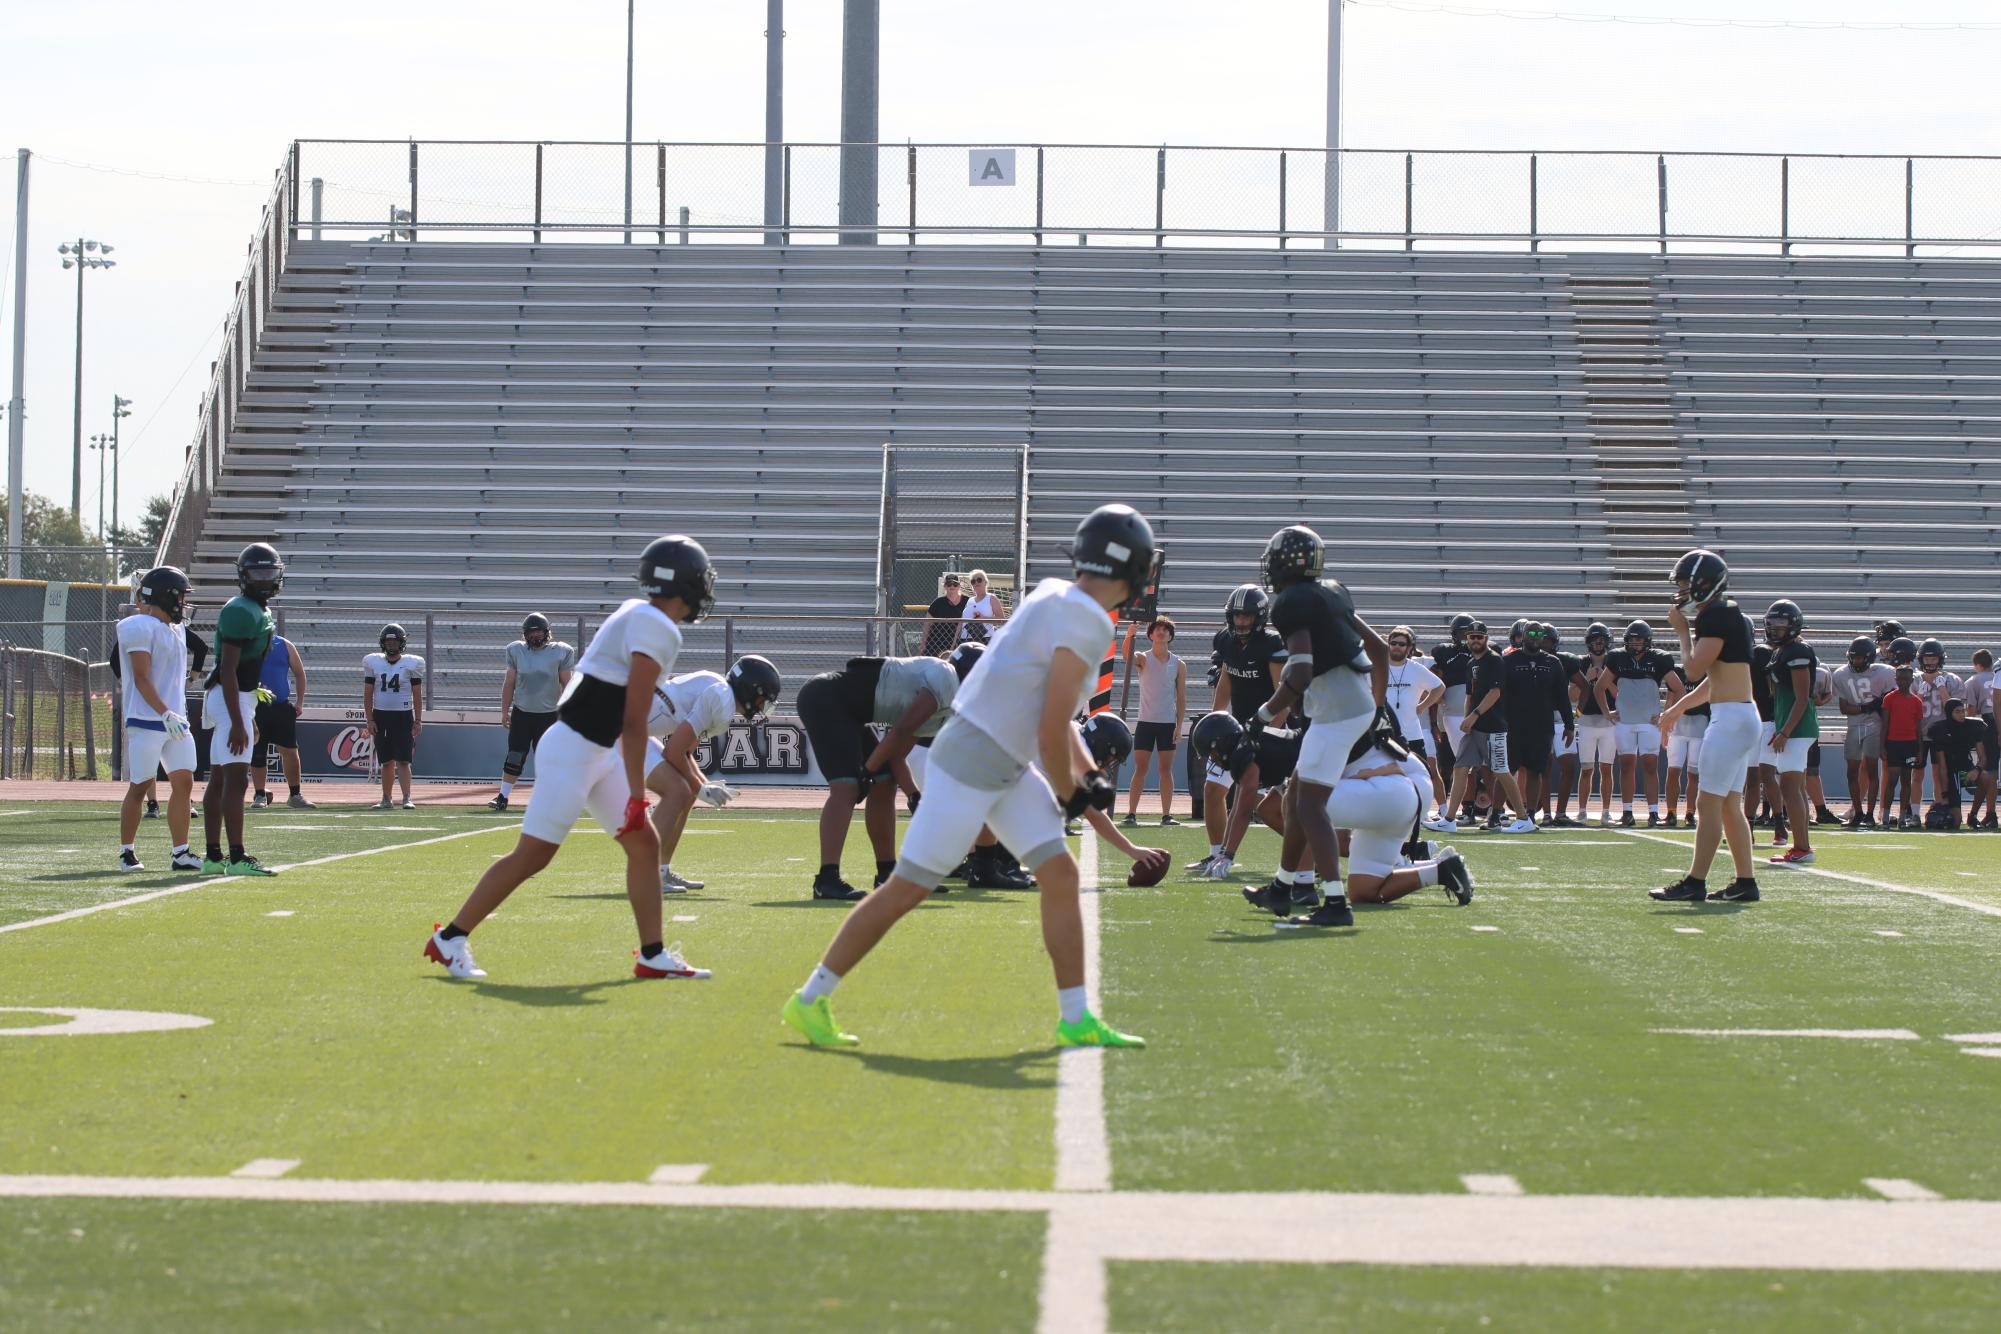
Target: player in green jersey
pixel 243 633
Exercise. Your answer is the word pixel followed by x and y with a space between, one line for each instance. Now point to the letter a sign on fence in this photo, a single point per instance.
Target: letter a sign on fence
pixel 990 166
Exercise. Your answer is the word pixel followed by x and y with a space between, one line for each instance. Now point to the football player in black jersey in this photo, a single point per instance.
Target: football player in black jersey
pixel 1248 655
pixel 1562 774
pixel 1535 687
pixel 1261 764
pixel 1796 722
pixel 1340 668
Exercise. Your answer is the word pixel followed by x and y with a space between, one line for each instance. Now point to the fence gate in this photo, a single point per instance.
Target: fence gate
pixel 948 508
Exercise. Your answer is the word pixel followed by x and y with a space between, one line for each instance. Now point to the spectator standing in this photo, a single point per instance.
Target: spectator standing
pixel 1597 734
pixel 1163 703
pixel 392 699
pixel 1485 736
pixel 278 722
pixel 984 611
pixel 1859 688
pixel 537 670
pixel 948 607
pixel 1903 723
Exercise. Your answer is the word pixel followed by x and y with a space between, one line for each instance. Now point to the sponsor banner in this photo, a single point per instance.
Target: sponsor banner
pixel 338 747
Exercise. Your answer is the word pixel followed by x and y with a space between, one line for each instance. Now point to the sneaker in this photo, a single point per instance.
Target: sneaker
pixel 184 860
pixel 667 963
pixel 1909 822
pixel 409 805
pixel 1672 821
pixel 211 866
pixel 499 803
pixel 1686 890
pixel 1852 824
pixel 1091 1031
pixel 1781 837
pixel 455 955
pixel 1793 857
pixel 1167 822
pixel 815 1022
pixel 384 805
pixel 297 801
pixel 1519 827
pixel 1334 912
pixel 260 801
pixel 1454 877
pixel 1653 819
pixel 1822 815
pixel 1737 891
pixel 1493 823
pixel 1439 824
pixel 248 865
pixel 996 876
pixel 152 810
pixel 1130 822
pixel 1627 821
pixel 1605 820
pixel 128 860
pixel 1563 822
pixel 670 883
pixel 837 889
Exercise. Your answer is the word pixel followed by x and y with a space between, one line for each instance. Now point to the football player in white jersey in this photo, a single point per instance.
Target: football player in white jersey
pixel 392 700
pixel 1011 725
pixel 688 711
pixel 155 680
pixel 594 758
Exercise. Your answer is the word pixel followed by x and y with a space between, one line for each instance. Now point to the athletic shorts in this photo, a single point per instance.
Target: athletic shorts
pixel 1323 751
pixel 1791 760
pixel 1153 736
pixel 1862 743
pixel 918 761
pixel 524 730
pixel 1417 746
pixel 1642 739
pixel 215 713
pixel 1378 813
pixel 395 736
pixel 1903 755
pixel 572 776
pixel 1684 752
pixel 1528 745
pixel 147 751
pixel 1557 745
pixel 1597 743
pixel 1729 748
pixel 1993 745
pixel 828 711
pixel 277 725
pixel 1023 815
pixel 1486 750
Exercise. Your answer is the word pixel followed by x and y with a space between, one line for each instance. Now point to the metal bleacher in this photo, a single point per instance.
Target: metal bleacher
pixel 473 429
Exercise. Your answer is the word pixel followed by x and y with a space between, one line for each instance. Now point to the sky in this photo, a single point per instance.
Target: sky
pixel 216 91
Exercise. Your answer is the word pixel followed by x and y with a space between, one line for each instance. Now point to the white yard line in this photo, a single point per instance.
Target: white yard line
pixel 1490 1183
pixel 265 1169
pixel 1083 1151
pixel 211 882
pixel 1897 1188
pixel 678 1174
pixel 1851 1034
pixel 1723 860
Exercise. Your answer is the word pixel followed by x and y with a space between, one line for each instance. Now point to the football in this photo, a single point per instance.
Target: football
pixel 1150 868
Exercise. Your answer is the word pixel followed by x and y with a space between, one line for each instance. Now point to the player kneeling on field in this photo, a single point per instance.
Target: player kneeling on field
pixel 594 759
pixel 1011 725
pixel 1378 801
pixel 689 710
pixel 156 731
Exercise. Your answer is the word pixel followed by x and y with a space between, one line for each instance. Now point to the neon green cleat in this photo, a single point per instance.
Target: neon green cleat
pixel 210 866
pixel 816 1023
pixel 1091 1031
pixel 249 865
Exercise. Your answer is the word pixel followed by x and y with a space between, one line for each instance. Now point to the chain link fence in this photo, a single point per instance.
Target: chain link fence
pixel 57 717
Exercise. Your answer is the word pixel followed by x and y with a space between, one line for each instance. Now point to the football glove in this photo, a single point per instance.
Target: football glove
pixel 175 724
pixel 264 696
pixel 868 778
pixel 635 816
pixel 1094 789
pixel 1218 867
pixel 717 795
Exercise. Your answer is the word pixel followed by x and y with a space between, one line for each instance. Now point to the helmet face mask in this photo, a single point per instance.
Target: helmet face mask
pixel 260 572
pixel 1246 610
pixel 1931 656
pixel 1639 637
pixel 1903 651
pixel 1783 622
pixel 1861 651
pixel 392 635
pixel 1598 639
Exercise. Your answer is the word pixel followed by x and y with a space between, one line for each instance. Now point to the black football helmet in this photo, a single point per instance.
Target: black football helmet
pixel 966 657
pixel 1641 631
pixel 755 683
pixel 532 622
pixel 1460 625
pixel 1903 651
pixel 260 571
pixel 166 588
pixel 1215 736
pixel 1518 633
pixel 1861 651
pixel 389 632
pixel 1889 630
pixel 1246 598
pixel 1115 541
pixel 1108 738
pixel 1550 640
pixel 1783 621
pixel 1699 578
pixel 1598 638
pixel 1293 554
pixel 1931 656
pixel 677 566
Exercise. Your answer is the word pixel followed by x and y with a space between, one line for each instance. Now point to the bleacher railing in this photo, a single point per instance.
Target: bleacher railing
pixel 1126 194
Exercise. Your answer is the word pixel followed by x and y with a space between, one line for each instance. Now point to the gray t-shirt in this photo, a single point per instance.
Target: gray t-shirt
pixel 900 681
pixel 1862 688
pixel 1157 680
pixel 538 679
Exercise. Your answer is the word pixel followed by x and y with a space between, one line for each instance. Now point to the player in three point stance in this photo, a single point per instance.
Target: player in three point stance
pixel 594 759
pixel 156 731
pixel 1340 668
pixel 392 699
pixel 689 710
pixel 537 670
pixel 1013 713
pixel 243 631
pixel 1716 650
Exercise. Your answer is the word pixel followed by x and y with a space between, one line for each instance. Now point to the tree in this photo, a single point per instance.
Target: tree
pixel 55 544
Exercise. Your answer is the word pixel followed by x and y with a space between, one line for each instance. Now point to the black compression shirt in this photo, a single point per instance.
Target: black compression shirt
pixel 1248 665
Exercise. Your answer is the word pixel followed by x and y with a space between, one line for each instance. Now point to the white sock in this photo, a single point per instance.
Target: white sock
pixel 821 983
pixel 1071 1001
pixel 1283 876
pixel 1427 873
pixel 1654 808
pixel 1302 877
pixel 506 788
pixel 1628 808
pixel 1215 848
pixel 180 848
pixel 127 847
pixel 1333 889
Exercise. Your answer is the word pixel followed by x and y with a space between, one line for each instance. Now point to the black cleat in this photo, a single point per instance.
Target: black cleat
pixel 1455 877
pixel 1268 898
pixel 152 810
pixel 1653 820
pixel 1686 890
pixel 963 869
pixel 499 803
pixel 1822 815
pixel 1627 821
pixel 1334 912
pixel 1304 897
pixel 1737 891
pixel 1671 822
pixel 1000 877
pixel 1563 822
pixel 836 889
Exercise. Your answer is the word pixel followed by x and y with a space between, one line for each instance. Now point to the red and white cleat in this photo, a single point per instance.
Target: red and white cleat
pixel 455 955
pixel 1793 857
pixel 667 963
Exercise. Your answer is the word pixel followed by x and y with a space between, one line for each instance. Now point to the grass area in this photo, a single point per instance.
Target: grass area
pixel 1395 1058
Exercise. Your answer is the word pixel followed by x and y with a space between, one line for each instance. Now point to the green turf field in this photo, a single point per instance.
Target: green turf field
pixel 908 1184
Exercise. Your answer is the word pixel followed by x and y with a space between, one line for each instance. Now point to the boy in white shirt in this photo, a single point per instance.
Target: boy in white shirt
pixel 688 711
pixel 1013 714
pixel 156 731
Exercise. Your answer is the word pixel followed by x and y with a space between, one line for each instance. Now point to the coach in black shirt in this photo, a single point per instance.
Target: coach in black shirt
pixel 1534 686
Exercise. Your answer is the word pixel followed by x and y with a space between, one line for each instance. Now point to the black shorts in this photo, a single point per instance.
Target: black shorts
pixel 277 725
pixel 395 735
pixel 524 729
pixel 1993 746
pixel 1154 736
pixel 833 708
pixel 1530 744
pixel 1903 755
pixel 1813 758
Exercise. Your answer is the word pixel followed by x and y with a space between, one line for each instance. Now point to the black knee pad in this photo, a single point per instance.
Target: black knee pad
pixel 516 761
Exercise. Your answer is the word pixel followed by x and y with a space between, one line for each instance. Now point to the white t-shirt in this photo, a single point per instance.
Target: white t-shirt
pixel 392 680
pixel 703 700
pixel 1004 697
pixel 1409 680
pixel 168 670
pixel 636 627
pixel 977 608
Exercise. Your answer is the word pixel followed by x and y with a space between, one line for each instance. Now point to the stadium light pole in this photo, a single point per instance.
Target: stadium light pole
pixel 16 409
pixel 100 445
pixel 1331 215
pixel 80 255
pixel 861 60
pixel 628 121
pixel 121 408
pixel 774 119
